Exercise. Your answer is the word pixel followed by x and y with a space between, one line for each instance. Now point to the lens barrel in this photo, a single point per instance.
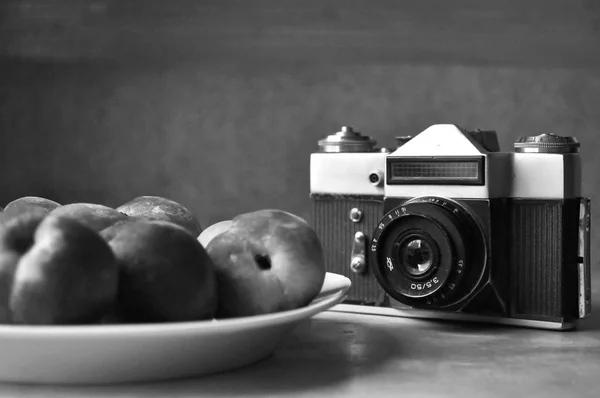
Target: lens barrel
pixel 422 252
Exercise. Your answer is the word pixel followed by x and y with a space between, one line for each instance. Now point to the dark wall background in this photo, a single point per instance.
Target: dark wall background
pixel 218 104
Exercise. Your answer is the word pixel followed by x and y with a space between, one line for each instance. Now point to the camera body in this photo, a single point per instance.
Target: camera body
pixel 446 226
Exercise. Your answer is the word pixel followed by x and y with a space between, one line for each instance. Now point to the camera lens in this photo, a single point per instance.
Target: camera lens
pixel 422 252
pixel 415 255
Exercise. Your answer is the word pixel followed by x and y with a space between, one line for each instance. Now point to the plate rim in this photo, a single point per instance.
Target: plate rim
pixel 321 303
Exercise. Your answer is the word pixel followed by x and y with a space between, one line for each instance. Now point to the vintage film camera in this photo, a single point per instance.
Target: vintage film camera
pixel 446 226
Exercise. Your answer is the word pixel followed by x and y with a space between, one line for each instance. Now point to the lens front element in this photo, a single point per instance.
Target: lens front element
pixel 415 255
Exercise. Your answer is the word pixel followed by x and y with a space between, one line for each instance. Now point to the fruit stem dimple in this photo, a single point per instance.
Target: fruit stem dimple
pixel 263 261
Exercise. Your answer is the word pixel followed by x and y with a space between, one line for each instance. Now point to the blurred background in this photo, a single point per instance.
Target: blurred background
pixel 218 104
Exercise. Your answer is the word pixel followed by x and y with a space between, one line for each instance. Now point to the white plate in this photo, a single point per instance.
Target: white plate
pixel 102 354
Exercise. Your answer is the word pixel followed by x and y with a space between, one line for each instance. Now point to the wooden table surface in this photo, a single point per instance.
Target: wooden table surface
pixel 348 355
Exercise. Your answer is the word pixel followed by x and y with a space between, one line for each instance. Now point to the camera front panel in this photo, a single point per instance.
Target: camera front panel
pixel 544 241
pixel 337 219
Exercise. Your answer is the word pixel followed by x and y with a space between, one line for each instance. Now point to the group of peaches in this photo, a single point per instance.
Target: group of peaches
pixel 144 262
